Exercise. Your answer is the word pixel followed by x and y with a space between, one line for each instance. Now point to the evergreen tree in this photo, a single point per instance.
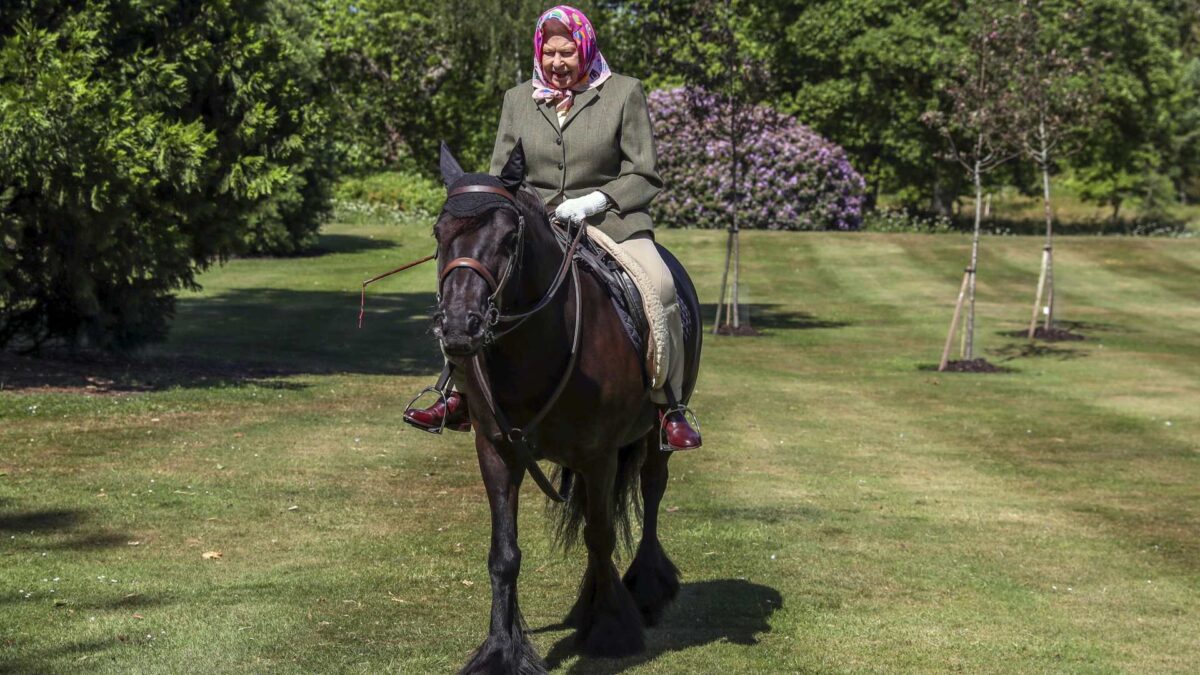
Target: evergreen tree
pixel 140 141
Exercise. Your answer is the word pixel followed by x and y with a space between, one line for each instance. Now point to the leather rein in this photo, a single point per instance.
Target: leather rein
pixel 518 437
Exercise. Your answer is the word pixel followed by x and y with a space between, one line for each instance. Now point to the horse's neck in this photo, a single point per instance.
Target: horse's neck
pixel 545 336
pixel 540 260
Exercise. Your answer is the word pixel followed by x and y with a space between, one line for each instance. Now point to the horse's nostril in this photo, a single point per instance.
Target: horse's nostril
pixel 474 323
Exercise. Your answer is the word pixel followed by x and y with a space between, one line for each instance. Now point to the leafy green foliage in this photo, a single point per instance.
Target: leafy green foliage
pixel 407 74
pixel 404 191
pixel 140 141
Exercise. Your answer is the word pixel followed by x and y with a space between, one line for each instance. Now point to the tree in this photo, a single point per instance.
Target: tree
pixel 1127 155
pixel 861 74
pixel 707 44
pixel 138 144
pixel 979 129
pixel 1059 91
pixel 408 74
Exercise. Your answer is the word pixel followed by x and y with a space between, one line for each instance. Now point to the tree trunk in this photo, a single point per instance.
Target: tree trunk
pixel 733 316
pixel 724 282
pixel 1049 232
pixel 969 348
pixel 734 290
pixel 1046 276
pixel 1050 289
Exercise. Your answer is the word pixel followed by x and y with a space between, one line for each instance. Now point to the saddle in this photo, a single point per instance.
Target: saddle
pixel 644 327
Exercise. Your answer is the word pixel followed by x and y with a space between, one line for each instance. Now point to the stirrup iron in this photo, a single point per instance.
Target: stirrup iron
pixel 441 398
pixel 674 406
pixel 688 415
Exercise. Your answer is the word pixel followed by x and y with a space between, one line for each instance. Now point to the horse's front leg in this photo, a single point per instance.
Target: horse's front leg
pixel 507 649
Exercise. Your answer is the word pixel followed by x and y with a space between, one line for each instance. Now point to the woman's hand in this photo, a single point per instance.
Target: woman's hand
pixel 577 209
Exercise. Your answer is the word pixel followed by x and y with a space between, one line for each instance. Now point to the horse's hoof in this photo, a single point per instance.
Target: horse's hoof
pixel 613 633
pixel 507 654
pixel 652 580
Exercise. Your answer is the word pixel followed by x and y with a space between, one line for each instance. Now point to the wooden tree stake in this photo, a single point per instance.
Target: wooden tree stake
pixel 1041 286
pixel 962 294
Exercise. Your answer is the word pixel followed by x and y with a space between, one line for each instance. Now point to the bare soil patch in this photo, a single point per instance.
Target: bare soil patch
pixel 979 365
pixel 1056 335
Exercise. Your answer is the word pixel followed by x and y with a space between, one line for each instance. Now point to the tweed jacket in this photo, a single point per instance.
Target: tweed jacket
pixel 606 143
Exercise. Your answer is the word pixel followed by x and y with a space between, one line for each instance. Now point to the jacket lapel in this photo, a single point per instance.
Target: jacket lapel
pixel 548 113
pixel 582 100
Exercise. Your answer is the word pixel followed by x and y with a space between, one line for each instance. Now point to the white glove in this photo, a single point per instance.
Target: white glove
pixel 575 210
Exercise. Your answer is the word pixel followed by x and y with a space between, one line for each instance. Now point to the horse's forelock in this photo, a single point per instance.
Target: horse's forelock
pixel 529 205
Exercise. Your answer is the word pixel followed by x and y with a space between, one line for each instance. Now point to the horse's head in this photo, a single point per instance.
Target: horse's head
pixel 479 236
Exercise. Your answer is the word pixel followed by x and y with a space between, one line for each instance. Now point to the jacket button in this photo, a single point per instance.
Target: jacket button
pixel 558 141
pixel 560 166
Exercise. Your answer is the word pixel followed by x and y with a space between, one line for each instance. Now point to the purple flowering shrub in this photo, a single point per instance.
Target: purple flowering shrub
pixel 794 179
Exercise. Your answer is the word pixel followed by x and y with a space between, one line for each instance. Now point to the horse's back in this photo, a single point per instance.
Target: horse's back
pixel 689 313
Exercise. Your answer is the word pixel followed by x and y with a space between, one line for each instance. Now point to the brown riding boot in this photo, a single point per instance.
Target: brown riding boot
pixel 680 435
pixel 454 411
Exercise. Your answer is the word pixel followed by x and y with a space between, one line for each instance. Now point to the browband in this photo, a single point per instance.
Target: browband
pixel 492 189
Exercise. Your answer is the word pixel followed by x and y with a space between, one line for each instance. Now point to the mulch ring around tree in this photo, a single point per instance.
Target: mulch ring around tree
pixel 741 331
pixel 979 365
pixel 1056 335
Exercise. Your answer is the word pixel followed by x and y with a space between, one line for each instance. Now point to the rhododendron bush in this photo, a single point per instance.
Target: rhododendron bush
pixel 793 179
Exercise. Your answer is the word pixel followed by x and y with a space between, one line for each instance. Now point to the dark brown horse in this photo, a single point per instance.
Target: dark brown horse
pixel 588 412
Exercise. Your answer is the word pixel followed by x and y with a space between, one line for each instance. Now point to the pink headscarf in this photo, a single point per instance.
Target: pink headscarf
pixel 591 61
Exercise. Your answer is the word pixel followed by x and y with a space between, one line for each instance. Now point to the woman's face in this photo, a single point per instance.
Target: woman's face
pixel 560 56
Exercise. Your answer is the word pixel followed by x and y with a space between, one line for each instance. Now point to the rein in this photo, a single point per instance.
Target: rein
pixel 517 437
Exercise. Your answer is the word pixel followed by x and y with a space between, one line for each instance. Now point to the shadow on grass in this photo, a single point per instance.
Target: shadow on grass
pixel 1080 327
pixel 56 530
pixel 334 243
pixel 1034 350
pixel 253 336
pixel 38 660
pixel 988 369
pixel 771 317
pixel 39 521
pixel 723 610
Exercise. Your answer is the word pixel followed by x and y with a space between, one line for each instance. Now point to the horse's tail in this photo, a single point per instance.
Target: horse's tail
pixel 566 518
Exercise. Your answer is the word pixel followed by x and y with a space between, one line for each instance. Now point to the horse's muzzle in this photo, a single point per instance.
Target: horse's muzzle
pixel 459 335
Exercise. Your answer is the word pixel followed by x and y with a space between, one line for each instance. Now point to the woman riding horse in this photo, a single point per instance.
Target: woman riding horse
pixel 589 150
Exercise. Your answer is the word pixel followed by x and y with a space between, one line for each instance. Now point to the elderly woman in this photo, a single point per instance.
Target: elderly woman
pixel 589 151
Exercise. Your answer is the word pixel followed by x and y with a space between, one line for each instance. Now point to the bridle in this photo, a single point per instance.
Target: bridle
pixel 493 314
pixel 517 437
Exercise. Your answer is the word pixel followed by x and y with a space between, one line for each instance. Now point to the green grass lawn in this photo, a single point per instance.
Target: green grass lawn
pixel 851 510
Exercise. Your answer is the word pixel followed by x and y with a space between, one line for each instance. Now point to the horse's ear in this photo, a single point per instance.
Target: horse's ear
pixel 513 173
pixel 451 171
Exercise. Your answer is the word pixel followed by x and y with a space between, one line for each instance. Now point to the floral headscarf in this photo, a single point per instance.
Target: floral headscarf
pixel 591 61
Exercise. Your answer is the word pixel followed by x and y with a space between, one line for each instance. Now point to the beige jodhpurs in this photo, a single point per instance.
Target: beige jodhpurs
pixel 641 248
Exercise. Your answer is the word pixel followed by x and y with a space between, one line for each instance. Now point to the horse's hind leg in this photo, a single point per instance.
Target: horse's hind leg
pixel 605 615
pixel 652 578
pixel 507 649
